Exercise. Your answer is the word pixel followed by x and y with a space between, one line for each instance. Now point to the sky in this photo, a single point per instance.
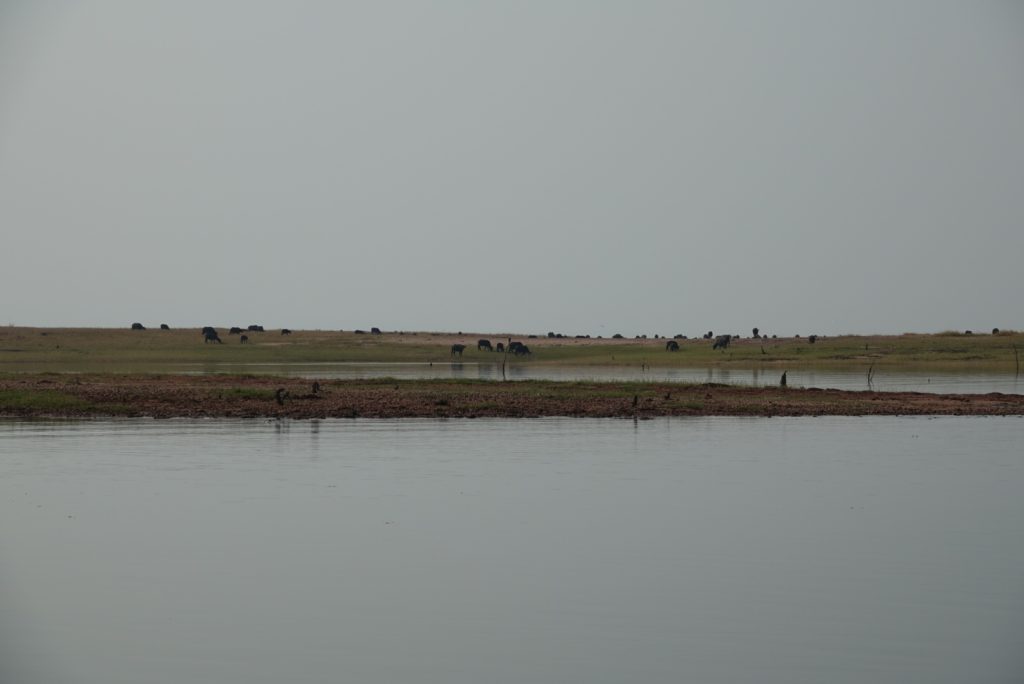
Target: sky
pixel 571 166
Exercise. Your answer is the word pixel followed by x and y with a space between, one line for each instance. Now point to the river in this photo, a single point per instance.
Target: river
pixel 727 550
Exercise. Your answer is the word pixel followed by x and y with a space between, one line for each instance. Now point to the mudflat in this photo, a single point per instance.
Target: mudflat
pixel 167 396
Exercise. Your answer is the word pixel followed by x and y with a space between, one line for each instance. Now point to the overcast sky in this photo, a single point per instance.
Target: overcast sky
pixel 581 167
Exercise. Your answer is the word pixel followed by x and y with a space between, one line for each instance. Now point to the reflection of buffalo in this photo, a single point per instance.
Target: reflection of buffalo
pixel 722 342
pixel 457 349
pixel 500 347
pixel 138 326
pixel 671 345
pixel 483 344
pixel 243 339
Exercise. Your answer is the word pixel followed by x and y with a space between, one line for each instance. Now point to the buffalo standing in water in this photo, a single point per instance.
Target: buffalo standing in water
pixel 483 344
pixel 457 349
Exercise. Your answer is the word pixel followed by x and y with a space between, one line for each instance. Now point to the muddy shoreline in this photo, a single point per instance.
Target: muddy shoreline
pixel 176 396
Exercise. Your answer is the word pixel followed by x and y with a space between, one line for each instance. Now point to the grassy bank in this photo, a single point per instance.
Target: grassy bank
pixel 153 350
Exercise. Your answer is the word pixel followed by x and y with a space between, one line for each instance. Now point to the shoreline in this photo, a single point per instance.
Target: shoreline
pixel 229 396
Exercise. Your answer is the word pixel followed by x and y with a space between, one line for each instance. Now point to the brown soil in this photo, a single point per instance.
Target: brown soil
pixel 169 396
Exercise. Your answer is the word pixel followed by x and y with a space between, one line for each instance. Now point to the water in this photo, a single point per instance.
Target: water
pixel 882 380
pixel 708 550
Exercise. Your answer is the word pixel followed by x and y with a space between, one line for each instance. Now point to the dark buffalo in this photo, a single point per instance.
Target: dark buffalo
pixel 211 336
pixel 513 346
pixel 255 328
pixel 671 345
pixel 243 339
pixel 209 329
pixel 375 331
pixel 235 331
pixel 457 349
pixel 722 342
pixel 500 347
pixel 811 339
pixel 286 331
pixel 484 344
pixel 359 332
pixel 521 350
pixel 164 326
pixel 138 326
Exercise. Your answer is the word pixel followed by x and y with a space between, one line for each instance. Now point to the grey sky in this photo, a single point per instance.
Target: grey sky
pixel 583 167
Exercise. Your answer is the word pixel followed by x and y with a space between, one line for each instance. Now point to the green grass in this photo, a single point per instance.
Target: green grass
pixel 41 400
pixel 126 351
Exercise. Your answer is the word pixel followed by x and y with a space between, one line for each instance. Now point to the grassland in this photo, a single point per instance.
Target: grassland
pixel 168 351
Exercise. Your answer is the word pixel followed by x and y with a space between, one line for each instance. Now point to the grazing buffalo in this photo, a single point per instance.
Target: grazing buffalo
pixel 671 345
pixel 286 331
pixel 500 347
pixel 359 332
pixel 243 339
pixel 513 346
pixel 521 350
pixel 235 331
pixel 209 329
pixel 138 326
pixel 722 342
pixel 375 331
pixel 484 344
pixel 457 349
pixel 211 336
pixel 164 326
pixel 255 328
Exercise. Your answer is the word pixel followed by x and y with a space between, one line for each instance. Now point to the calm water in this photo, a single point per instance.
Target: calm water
pixel 969 383
pixel 565 550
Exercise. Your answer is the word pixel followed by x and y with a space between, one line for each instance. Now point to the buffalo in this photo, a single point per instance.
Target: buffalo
pixel 483 344
pixel 235 331
pixel 375 331
pixel 722 342
pixel 243 339
pixel 671 345
pixel 521 350
pixel 164 326
pixel 286 331
pixel 138 326
pixel 211 336
pixel 457 349
pixel 500 347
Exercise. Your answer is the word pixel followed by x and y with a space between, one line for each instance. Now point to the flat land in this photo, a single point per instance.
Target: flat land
pixel 78 372
pixel 167 396
pixel 168 351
